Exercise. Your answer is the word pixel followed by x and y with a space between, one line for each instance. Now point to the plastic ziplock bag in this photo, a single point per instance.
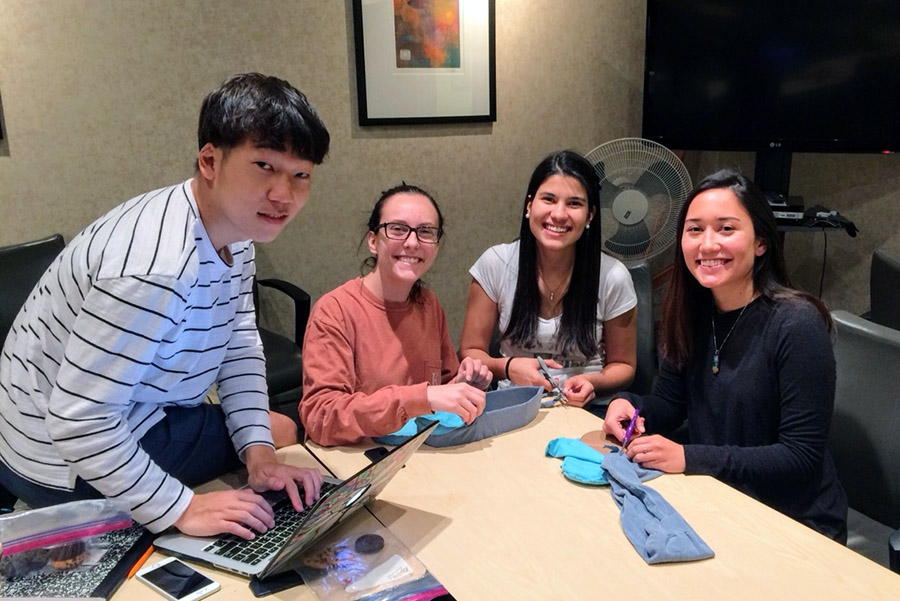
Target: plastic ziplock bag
pixel 60 537
pixel 356 563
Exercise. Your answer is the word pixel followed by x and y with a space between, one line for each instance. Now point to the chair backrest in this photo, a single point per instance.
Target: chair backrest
pixel 646 369
pixel 21 266
pixel 865 430
pixel 884 289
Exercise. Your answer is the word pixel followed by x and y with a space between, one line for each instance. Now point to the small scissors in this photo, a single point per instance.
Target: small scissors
pixel 556 395
pixel 630 430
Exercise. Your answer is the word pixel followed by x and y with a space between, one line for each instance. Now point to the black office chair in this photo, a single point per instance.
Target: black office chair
pixel 284 360
pixel 647 362
pixel 21 266
pixel 884 289
pixel 863 438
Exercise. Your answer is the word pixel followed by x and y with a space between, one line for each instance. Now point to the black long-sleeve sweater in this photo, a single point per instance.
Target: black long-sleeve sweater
pixel 762 422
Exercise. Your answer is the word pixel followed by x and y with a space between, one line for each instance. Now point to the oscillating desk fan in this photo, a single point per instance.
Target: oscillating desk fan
pixel 643 187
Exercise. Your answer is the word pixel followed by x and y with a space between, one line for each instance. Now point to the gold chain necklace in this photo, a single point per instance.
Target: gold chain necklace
pixel 553 290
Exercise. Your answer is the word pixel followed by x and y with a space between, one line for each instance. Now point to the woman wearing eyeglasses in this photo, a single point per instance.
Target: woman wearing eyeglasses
pixel 554 293
pixel 377 350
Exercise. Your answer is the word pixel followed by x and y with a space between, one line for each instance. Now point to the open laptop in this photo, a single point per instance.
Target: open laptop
pixel 280 545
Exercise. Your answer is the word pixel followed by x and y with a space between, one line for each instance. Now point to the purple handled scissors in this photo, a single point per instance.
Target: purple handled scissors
pixel 630 430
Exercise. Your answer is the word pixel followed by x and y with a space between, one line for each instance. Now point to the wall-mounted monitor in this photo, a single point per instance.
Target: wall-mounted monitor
pixel 773 76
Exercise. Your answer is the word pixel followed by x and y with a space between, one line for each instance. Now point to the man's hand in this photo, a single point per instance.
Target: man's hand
pixel 232 511
pixel 266 472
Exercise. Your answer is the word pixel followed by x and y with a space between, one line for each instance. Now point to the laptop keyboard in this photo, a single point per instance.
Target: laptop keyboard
pixel 254 551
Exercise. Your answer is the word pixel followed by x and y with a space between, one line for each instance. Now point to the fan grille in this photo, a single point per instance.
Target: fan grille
pixel 643 187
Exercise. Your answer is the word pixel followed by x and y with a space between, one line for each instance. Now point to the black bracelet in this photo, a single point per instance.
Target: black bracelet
pixel 508 361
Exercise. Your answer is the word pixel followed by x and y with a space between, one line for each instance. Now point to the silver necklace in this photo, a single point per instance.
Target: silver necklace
pixel 718 349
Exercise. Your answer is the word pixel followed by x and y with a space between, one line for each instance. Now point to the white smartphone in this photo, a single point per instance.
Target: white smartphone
pixel 177 581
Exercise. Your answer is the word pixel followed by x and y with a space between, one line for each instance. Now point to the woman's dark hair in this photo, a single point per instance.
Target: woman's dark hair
pixel 369 263
pixel 578 322
pixel 266 110
pixel 687 300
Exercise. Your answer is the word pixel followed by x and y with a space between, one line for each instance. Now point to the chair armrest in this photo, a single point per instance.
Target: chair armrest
pixel 894 551
pixel 301 300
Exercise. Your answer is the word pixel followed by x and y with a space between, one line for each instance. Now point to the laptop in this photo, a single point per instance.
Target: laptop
pixel 272 552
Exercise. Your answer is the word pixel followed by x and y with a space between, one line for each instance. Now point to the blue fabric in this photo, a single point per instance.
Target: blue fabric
pixel 586 472
pixel 446 422
pixel 572 447
pixel 581 463
pixel 655 529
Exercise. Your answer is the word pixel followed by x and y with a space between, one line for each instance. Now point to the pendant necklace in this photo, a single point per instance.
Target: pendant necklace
pixel 718 349
pixel 552 292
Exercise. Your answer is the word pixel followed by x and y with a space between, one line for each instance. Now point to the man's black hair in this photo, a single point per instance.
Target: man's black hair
pixel 266 110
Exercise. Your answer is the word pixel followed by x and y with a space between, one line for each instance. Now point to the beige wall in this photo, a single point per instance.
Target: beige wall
pixel 101 98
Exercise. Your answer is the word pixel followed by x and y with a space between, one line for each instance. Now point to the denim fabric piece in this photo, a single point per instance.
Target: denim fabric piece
pixel 655 529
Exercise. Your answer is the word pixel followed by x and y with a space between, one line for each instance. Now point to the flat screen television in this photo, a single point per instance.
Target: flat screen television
pixel 774 77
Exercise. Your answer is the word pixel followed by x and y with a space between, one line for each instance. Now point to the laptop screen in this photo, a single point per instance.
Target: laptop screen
pixel 346 499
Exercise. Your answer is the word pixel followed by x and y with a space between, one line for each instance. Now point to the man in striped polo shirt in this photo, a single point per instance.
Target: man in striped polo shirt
pixel 104 371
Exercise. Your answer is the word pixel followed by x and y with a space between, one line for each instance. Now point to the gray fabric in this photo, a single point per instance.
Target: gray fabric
pixel 504 410
pixel 655 529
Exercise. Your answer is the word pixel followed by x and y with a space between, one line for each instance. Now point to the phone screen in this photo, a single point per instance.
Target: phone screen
pixel 177 579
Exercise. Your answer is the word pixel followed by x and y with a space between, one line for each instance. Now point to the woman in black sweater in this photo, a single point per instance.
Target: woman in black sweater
pixel 747 360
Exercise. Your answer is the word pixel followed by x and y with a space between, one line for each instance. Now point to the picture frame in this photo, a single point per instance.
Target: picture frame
pixel 424 62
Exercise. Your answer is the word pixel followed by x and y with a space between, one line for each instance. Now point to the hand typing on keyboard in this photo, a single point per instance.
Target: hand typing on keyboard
pixel 239 512
pixel 244 512
pixel 265 472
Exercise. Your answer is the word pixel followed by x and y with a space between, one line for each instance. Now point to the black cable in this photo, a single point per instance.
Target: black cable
pixel 824 256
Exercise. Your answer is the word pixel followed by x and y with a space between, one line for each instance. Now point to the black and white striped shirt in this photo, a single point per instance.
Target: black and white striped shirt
pixel 137 312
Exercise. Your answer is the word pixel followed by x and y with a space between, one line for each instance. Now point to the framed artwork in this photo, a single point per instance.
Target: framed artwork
pixel 424 61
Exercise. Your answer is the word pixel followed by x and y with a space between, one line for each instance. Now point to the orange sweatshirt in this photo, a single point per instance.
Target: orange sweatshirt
pixel 367 362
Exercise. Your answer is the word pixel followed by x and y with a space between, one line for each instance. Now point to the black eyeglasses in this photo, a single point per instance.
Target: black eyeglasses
pixel 400 231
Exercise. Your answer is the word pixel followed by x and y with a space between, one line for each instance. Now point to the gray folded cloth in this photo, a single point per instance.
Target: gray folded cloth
pixel 655 529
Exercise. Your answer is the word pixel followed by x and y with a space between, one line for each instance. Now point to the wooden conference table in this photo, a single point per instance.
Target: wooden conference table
pixel 496 519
